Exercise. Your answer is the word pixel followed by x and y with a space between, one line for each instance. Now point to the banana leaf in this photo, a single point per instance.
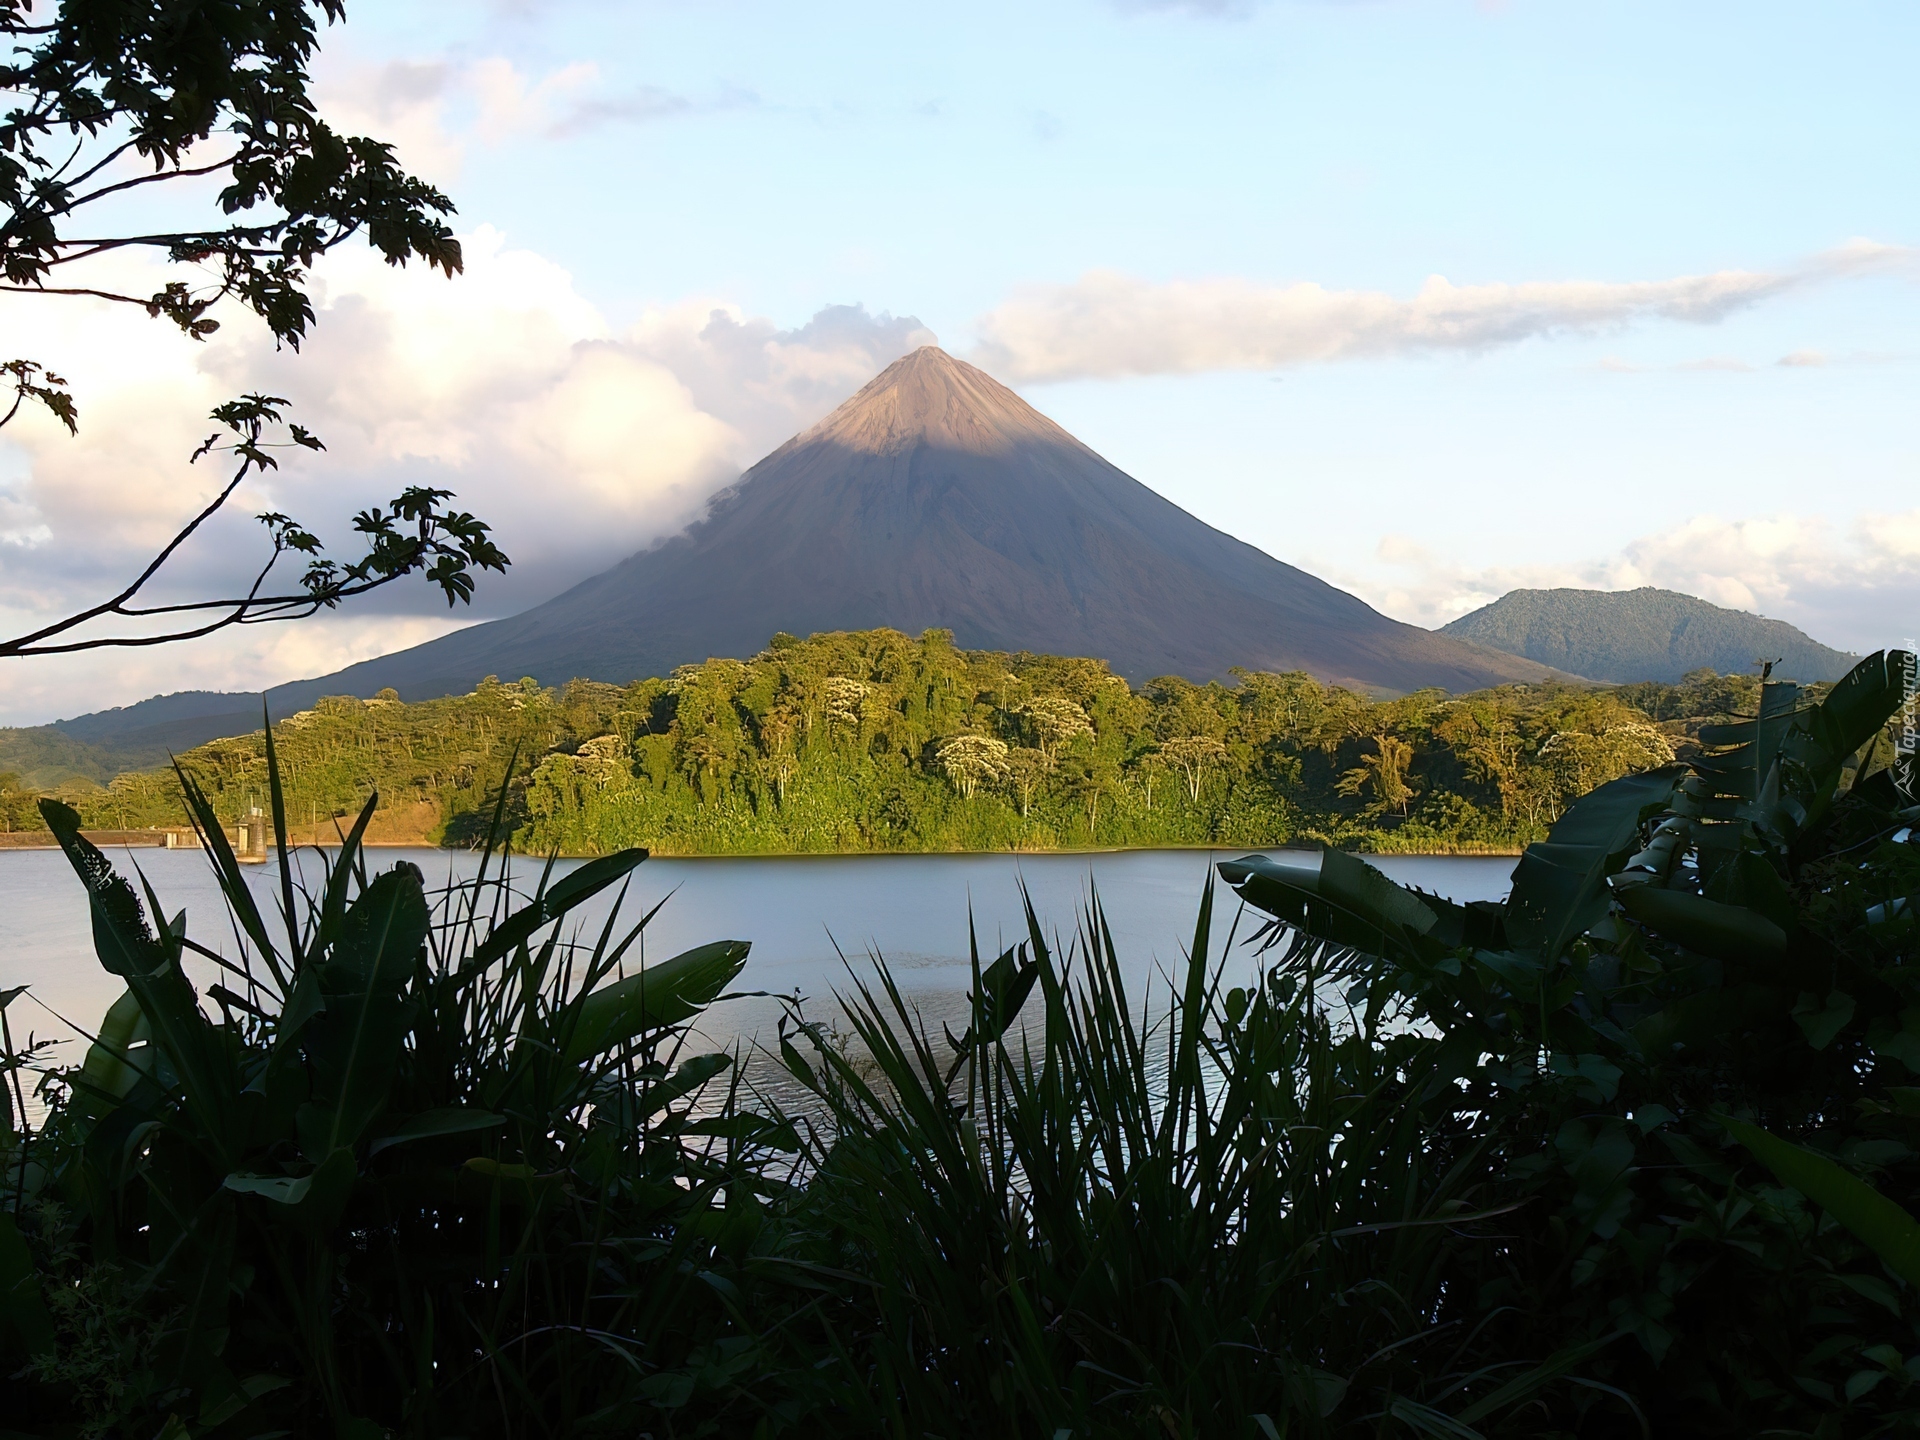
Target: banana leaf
pixel 380 935
pixel 311 1203
pixel 110 1069
pixel 659 996
pixel 1707 927
pixel 333 902
pixel 1864 699
pixel 624 1107
pixel 1335 897
pixel 1749 880
pixel 432 1124
pixel 1560 885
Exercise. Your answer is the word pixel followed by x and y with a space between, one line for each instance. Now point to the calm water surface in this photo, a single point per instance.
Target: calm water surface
pixel 802 915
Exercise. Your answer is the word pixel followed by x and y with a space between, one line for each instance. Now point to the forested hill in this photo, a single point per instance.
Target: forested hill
pixel 873 740
pixel 132 737
pixel 1621 636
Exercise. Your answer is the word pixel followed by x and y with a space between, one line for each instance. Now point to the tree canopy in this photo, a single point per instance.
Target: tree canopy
pixel 877 740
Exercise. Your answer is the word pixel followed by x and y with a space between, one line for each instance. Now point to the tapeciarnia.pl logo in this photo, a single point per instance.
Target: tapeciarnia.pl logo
pixel 1908 741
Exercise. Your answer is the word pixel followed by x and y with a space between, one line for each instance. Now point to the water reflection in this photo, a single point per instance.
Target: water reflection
pixel 815 922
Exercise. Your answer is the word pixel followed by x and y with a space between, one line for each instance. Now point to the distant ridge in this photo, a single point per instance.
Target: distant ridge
pixel 936 497
pixel 1623 636
pixel 129 737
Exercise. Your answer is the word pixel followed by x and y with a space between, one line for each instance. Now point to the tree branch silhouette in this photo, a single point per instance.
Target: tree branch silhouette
pixel 416 534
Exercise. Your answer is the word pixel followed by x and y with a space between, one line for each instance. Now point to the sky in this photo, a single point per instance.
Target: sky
pixel 1434 300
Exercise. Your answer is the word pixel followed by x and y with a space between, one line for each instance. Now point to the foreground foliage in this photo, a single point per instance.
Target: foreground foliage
pixel 357 1195
pixel 874 741
pixel 1693 1030
pixel 1631 1152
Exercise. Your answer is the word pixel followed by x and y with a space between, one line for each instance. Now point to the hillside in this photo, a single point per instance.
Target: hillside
pixel 1622 636
pixel 938 498
pixel 99 746
pixel 42 757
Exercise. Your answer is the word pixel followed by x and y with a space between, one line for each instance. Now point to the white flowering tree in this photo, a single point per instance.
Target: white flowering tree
pixel 972 761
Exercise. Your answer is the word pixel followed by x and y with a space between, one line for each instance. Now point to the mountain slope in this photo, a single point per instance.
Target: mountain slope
pixel 1646 634
pixel 936 497
pixel 131 737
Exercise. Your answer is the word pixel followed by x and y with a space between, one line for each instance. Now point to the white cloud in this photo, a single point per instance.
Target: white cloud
pixel 579 440
pixel 1854 589
pixel 434 112
pixel 1107 324
pixel 405 103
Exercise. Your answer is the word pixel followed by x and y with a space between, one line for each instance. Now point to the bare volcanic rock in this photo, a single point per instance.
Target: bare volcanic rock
pixel 938 497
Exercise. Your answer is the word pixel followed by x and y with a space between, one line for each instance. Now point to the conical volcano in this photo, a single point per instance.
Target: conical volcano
pixel 936 497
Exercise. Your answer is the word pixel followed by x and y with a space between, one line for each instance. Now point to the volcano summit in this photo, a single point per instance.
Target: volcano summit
pixel 936 497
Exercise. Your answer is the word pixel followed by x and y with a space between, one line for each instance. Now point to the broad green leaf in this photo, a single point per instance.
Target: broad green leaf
pixel 1750 881
pixel 1829 734
pixel 1003 988
pixel 1706 927
pixel 283 1189
pixel 660 995
pixel 353 1047
pixel 333 903
pixel 1821 1020
pixel 354 1043
pixel 1886 1229
pixel 1874 1288
pixel 380 934
pixel 314 1201
pixel 1328 1391
pixel 1863 700
pixel 1334 897
pixel 109 1067
pixel 429 1124
pixel 1596 1070
pixel 1902 1042
pixel 1560 885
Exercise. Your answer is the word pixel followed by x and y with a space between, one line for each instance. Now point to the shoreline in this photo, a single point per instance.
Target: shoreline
pixel 42 840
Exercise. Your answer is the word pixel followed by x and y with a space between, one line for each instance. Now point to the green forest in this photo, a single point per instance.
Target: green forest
pixel 874 740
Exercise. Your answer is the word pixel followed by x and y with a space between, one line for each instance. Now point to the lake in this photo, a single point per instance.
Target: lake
pixel 802 915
